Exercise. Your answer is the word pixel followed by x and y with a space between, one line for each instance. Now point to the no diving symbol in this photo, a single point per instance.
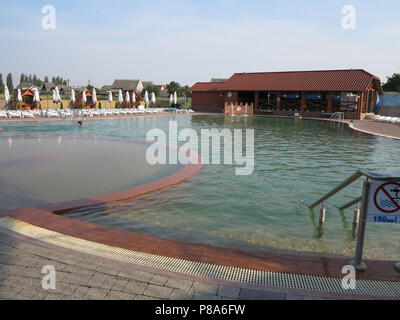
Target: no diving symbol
pixel 387 197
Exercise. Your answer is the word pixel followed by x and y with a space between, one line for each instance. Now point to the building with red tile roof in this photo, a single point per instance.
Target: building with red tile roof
pixel 308 93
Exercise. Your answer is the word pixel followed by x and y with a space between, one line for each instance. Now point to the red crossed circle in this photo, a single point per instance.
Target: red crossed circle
pixel 381 187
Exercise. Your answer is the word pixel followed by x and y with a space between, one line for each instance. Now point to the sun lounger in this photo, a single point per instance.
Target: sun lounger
pixel 27 114
pixel 14 114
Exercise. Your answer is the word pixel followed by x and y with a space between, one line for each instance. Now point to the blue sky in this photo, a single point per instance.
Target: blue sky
pixel 191 41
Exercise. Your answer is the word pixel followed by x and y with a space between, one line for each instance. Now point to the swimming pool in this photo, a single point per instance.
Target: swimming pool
pixel 296 161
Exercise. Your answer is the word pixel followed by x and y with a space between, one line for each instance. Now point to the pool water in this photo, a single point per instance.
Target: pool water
pixel 40 171
pixel 296 162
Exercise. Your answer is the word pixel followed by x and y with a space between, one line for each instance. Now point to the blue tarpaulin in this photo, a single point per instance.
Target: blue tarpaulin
pixel 291 95
pixel 390 100
pixel 336 97
pixel 313 96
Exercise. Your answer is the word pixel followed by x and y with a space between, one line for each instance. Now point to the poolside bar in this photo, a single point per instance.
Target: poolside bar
pixel 294 93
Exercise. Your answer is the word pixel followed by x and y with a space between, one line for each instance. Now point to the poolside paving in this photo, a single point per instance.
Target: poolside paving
pixel 79 278
pixel 378 128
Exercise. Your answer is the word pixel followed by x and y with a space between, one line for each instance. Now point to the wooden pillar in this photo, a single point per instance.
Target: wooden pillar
pixel 373 101
pixel 256 99
pixel 302 101
pixel 367 101
pixel 330 101
pixel 360 105
pixel 278 100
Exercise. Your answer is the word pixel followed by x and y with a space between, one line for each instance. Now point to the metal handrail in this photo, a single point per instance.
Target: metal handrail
pixel 349 204
pixel 359 173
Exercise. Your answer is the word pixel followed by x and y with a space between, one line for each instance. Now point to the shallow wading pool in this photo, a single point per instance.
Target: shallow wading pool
pixel 296 162
pixel 47 170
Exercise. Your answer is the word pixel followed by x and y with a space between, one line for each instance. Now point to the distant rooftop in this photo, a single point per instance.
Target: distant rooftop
pixel 219 79
pixel 125 84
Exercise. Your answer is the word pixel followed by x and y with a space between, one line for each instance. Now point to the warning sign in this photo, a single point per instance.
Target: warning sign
pixel 384 202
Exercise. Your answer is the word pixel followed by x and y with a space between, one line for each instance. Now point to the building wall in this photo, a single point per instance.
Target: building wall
pixel 207 102
pixel 139 87
pixel 213 102
pixel 390 111
pixel 233 99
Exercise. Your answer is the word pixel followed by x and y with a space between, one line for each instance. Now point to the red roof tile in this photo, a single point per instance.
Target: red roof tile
pixel 324 80
pixel 206 86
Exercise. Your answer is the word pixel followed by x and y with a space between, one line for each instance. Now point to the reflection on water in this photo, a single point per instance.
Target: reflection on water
pixel 296 161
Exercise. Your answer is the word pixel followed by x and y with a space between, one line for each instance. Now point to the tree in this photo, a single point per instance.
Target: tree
pixel 37 81
pixel 22 79
pixel 393 83
pixel 1 84
pixel 10 82
pixel 186 91
pixel 174 87
pixel 46 79
pixel 151 88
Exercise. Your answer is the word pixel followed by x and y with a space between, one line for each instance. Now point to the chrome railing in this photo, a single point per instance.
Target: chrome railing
pixel 338 115
pixel 359 173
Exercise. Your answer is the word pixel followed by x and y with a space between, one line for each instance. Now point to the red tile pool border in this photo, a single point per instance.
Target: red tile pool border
pixel 274 262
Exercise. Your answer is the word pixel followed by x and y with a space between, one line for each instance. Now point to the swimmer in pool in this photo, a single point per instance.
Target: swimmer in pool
pixel 79 124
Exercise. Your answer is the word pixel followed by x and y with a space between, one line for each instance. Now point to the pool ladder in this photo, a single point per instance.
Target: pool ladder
pixel 360 217
pixel 338 115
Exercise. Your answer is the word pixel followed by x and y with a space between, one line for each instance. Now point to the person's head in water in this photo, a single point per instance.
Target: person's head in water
pixel 79 123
